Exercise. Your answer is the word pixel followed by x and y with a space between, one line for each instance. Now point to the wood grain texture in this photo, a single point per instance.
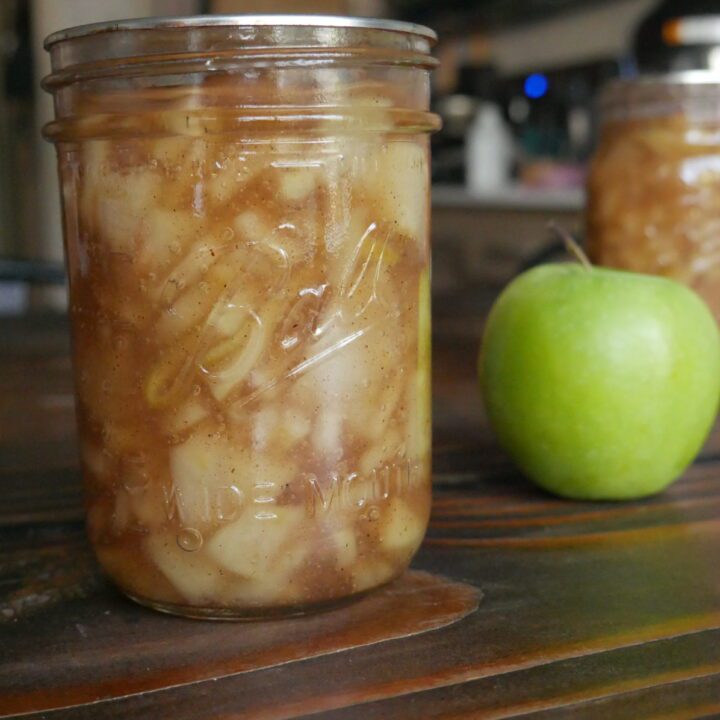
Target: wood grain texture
pixel 589 610
pixel 639 670
pixel 87 656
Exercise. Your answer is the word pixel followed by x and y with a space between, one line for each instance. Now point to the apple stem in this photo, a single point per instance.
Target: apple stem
pixel 571 245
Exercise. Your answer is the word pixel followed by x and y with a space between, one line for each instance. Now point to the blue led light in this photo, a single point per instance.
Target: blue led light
pixel 536 85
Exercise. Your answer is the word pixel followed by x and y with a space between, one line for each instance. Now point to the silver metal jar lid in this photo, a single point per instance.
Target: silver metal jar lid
pixel 211 21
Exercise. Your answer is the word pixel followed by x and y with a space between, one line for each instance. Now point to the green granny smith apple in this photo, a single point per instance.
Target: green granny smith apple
pixel 601 384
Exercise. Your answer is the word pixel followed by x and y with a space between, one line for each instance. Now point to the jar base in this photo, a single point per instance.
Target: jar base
pixel 258 614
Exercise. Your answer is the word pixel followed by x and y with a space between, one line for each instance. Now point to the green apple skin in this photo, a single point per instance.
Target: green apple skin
pixel 601 384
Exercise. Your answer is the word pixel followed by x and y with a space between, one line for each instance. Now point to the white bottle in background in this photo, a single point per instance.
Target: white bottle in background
pixel 488 151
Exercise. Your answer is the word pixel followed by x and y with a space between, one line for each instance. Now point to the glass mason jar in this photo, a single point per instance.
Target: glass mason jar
pixel 654 183
pixel 246 224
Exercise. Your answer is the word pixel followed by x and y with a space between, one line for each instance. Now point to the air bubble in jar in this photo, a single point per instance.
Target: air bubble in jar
pixel 189 539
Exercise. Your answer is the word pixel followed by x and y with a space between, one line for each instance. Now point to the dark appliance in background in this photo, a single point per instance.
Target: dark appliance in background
pixel 549 114
pixel 476 84
pixel 679 35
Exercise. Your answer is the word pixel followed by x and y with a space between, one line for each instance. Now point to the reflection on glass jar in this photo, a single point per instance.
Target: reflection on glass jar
pixel 247 242
pixel 654 186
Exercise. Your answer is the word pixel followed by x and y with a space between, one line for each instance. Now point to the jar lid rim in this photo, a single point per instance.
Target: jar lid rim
pixel 208 21
pixel 685 77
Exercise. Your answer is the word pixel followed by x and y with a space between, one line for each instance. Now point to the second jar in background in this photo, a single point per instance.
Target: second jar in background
pixel 654 184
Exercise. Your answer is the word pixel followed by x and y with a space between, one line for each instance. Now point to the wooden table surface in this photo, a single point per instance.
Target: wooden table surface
pixel 521 605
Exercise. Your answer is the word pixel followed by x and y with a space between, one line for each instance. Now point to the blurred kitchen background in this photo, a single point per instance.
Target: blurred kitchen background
pixel 516 89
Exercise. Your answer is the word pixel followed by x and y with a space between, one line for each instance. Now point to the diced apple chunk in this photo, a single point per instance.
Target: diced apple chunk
pixel 229 175
pixel 295 423
pixel 244 350
pixel 123 203
pixel 208 479
pixel 252 227
pixel 151 506
pixel 229 314
pixel 260 542
pixel 279 584
pixel 403 530
pixel 165 237
pixel 297 183
pixel 327 434
pixel 264 425
pixel 398 178
pixel 192 574
pixel 185 417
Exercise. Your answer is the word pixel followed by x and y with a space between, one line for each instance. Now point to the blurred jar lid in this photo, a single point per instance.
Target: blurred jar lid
pixel 679 35
pixel 694 94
